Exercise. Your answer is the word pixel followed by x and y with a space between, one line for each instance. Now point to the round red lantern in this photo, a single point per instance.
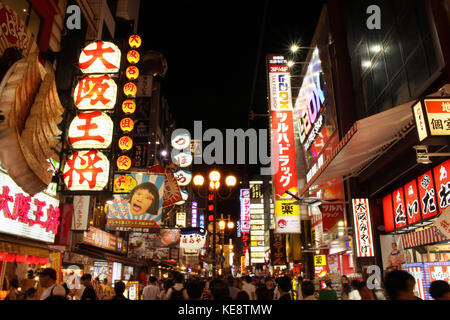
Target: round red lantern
pixel 30 260
pixel 10 257
pixel 130 89
pixel 43 261
pixel 134 41
pixel 125 143
pixel 2 256
pixel 133 56
pixel 129 106
pixel 126 124
pixel 35 260
pixel 132 72
pixel 123 163
pixel 20 258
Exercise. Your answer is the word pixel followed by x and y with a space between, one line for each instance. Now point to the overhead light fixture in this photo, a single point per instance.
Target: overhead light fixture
pixel 290 63
pixel 294 48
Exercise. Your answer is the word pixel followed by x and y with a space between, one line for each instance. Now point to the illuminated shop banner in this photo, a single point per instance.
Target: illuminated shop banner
pixel 279 83
pixel 140 209
pixel 100 238
pixel 363 228
pixel 432 117
pixel 36 217
pixel 284 158
pixel 183 177
pixel 257 224
pixel 100 57
pixel 193 238
pixel 95 92
pixel 245 210
pixel 419 199
pixel 181 141
pixel 155 245
pixel 287 216
pixel 181 219
pixel 91 130
pixel 194 214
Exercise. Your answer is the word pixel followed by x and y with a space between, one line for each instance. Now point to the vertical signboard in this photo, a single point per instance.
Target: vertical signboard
pixel 427 195
pixel 80 212
pixel 245 210
pixel 194 215
pixel 277 249
pixel 362 228
pixel 399 208
pixel 283 145
pixel 442 180
pixel 412 202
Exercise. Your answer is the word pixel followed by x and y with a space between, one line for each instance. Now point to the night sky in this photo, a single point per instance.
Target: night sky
pixel 213 50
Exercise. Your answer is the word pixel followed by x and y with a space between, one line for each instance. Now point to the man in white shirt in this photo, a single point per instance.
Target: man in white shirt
pixel 354 294
pixel 248 287
pixel 52 290
pixel 151 291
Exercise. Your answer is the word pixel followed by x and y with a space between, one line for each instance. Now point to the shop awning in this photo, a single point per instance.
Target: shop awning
pixel 423 237
pixel 367 139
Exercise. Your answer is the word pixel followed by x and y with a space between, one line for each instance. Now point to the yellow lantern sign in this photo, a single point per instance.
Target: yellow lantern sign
pixel 130 89
pixel 132 73
pixel 127 124
pixel 124 163
pixel 129 106
pixel 124 183
pixel 134 41
pixel 133 56
pixel 125 143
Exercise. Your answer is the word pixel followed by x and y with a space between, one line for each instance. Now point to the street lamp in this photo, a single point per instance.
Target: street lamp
pixel 222 224
pixel 214 186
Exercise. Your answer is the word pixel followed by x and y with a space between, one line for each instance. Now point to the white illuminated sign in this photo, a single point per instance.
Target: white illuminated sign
pixel 100 57
pixel 95 92
pixel 35 217
pixel 181 141
pixel 91 130
pixel 183 159
pixel 183 177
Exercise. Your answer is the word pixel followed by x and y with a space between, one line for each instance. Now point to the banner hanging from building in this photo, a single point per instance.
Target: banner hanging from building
pixel 192 238
pixel 145 245
pixel 141 209
pixel 287 216
pixel 80 212
pixel 362 228
pixel 277 249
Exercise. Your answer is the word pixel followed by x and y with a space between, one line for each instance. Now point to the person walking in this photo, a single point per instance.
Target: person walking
pixel 89 291
pixel 270 286
pixel 13 293
pixel 107 291
pixel 194 289
pixel 232 287
pixel 177 291
pixel 346 288
pixel 119 289
pixel 328 293
pixel 151 291
pixel 440 290
pixel 400 285
pixel 284 287
pixel 299 288
pixel 52 290
pixel 248 287
pixel 354 293
pixel 308 290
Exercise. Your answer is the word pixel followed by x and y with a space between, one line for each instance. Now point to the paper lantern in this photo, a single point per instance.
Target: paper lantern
pixel 182 159
pixel 183 177
pixel 124 163
pixel 134 41
pixel 129 106
pixel 86 171
pixel 20 258
pixel 124 184
pixel 95 92
pixel 30 260
pixel 35 260
pixel 132 72
pixel 133 56
pixel 130 89
pixel 10 257
pixel 91 130
pixel 100 57
pixel 181 141
pixel 2 256
pixel 184 195
pixel 125 143
pixel 126 124
pixel 43 261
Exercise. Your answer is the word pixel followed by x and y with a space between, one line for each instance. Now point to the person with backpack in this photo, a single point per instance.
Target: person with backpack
pixel 177 291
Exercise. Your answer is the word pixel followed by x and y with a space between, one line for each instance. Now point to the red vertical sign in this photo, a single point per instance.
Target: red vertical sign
pixel 412 202
pixel 64 231
pixel 388 213
pixel 442 180
pixel 399 208
pixel 427 195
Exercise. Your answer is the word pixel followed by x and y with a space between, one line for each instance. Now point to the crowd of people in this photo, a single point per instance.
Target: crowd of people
pixel 398 285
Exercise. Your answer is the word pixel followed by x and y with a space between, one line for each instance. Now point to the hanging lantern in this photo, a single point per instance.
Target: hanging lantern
pixel 130 89
pixel 35 260
pixel 132 72
pixel 129 106
pixel 20 258
pixel 125 143
pixel 100 57
pixel 124 163
pixel 91 130
pixel 30 260
pixel 10 257
pixel 126 124
pixel 134 41
pixel 43 261
pixel 133 56
pixel 95 92
pixel 2 256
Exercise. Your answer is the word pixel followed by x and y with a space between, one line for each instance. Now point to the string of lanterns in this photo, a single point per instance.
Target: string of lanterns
pixel 20 258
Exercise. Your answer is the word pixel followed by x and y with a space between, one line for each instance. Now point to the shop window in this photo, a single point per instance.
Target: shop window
pixel 393 56
pixel 400 90
pixel 28 14
pixel 379 76
pixel 417 71
pixel 409 34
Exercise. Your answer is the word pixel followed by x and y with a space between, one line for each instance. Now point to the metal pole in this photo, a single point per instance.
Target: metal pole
pixel 214 235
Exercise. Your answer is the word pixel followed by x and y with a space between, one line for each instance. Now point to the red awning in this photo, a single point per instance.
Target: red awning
pixel 367 139
pixel 423 237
